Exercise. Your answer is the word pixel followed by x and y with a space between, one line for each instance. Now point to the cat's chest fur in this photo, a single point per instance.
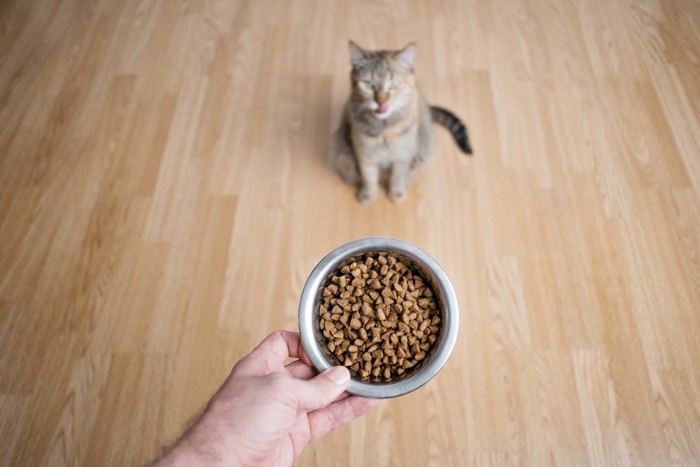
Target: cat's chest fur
pixel 384 146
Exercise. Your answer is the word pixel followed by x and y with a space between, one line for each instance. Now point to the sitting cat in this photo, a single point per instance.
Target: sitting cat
pixel 386 124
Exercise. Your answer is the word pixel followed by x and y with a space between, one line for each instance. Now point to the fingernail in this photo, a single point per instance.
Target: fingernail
pixel 339 375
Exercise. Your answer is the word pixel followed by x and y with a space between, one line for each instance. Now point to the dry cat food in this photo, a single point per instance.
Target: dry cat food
pixel 379 317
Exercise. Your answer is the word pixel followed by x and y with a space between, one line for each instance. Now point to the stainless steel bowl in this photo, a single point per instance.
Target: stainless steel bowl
pixel 312 338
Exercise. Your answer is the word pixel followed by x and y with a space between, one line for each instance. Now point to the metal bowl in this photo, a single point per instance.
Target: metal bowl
pixel 313 339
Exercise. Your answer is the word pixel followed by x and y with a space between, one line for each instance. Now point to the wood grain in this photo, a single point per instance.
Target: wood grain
pixel 164 194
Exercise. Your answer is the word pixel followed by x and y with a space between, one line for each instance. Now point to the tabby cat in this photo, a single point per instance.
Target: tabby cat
pixel 387 124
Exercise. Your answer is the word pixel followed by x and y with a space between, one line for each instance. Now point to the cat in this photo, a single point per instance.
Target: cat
pixel 387 124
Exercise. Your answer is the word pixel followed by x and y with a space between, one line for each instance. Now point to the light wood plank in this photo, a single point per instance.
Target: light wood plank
pixel 164 194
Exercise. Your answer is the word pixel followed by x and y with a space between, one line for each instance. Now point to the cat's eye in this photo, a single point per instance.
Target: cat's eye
pixel 367 85
pixel 394 85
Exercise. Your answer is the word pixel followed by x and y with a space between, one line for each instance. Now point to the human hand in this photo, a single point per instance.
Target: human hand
pixel 265 412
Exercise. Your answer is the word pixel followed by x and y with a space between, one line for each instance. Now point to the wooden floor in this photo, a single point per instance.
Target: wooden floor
pixel 164 194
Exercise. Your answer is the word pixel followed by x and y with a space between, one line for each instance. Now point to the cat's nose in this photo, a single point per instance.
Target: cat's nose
pixel 381 97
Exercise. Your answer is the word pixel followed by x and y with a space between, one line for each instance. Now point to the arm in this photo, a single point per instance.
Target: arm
pixel 265 412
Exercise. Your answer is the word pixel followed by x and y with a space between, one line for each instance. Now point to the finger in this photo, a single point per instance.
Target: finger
pixel 304 356
pixel 337 414
pixel 301 370
pixel 344 395
pixel 321 390
pixel 280 345
pixel 271 353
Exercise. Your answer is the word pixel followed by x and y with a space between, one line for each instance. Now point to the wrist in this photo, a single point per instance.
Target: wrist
pixel 189 452
pixel 202 444
pixel 181 456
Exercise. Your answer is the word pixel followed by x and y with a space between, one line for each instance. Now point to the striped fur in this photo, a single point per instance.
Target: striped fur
pixel 454 125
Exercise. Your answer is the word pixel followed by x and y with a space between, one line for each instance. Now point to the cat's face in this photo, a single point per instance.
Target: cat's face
pixel 382 81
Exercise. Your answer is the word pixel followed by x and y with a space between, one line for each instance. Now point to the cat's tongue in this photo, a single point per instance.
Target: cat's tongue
pixel 383 107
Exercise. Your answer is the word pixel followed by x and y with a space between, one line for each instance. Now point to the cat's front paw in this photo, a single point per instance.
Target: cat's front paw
pixel 366 195
pixel 397 196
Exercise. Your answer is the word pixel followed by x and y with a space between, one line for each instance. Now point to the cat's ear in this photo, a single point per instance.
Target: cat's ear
pixel 357 54
pixel 407 56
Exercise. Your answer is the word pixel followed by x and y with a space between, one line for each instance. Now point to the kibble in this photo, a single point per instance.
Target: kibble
pixel 379 317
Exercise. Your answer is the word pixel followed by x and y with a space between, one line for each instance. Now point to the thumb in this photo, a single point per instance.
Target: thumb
pixel 320 391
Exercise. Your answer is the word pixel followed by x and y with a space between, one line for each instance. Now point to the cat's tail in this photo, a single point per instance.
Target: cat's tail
pixel 455 126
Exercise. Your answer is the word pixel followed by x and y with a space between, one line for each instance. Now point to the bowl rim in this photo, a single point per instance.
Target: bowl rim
pixel 439 279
